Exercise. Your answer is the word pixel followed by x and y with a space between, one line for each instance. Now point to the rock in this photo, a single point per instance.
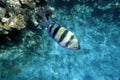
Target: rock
pixel 15 14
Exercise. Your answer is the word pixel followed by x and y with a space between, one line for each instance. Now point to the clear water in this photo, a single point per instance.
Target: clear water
pixel 98 59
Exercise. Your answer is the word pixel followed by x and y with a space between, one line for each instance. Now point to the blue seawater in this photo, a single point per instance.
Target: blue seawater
pixel 98 59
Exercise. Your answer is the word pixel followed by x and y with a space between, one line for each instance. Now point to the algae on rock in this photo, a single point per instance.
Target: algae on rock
pixel 15 14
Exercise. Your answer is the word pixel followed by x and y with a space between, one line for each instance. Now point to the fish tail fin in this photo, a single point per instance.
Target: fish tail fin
pixel 50 20
pixel 44 22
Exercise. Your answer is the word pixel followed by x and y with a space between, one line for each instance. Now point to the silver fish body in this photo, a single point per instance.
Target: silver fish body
pixel 60 34
pixel 63 37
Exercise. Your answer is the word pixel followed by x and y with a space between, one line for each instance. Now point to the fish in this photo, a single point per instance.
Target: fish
pixel 61 35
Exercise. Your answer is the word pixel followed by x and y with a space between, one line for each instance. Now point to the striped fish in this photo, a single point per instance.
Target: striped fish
pixel 61 35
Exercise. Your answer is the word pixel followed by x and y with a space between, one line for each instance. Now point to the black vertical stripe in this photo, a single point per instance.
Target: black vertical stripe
pixel 50 29
pixel 69 41
pixel 63 36
pixel 55 31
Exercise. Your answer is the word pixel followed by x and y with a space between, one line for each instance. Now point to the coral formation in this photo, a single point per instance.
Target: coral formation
pixel 10 18
pixel 14 14
pixel 17 17
pixel 37 57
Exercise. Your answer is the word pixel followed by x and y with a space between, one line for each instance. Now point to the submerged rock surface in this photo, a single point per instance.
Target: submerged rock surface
pixel 16 14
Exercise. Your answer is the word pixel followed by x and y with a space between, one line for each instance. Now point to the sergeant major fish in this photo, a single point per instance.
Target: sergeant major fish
pixel 60 34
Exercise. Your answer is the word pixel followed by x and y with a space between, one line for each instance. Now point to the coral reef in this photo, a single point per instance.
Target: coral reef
pixel 14 14
pixel 35 56
pixel 18 23
pixel 108 9
pixel 11 18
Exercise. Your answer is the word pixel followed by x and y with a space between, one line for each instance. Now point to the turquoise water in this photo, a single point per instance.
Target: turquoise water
pixel 98 59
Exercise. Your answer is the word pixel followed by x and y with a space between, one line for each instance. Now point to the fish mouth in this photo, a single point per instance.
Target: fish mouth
pixel 78 48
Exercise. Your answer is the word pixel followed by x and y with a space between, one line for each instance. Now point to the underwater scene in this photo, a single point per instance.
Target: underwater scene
pixel 59 40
